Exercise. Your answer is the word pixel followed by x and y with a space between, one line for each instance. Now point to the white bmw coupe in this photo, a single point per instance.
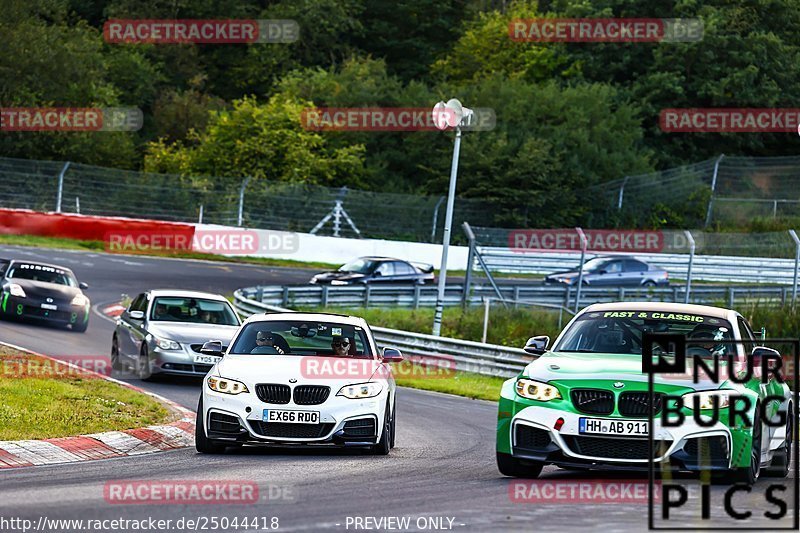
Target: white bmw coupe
pixel 299 379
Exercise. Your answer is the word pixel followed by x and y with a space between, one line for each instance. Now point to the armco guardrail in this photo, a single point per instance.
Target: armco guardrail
pixel 717 268
pixel 425 296
pixel 486 359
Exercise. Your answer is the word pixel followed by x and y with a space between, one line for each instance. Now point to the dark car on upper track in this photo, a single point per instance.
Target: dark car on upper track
pixel 51 293
pixel 607 271
pixel 377 270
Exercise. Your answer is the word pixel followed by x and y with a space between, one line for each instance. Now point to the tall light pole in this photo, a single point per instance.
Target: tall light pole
pixel 453 115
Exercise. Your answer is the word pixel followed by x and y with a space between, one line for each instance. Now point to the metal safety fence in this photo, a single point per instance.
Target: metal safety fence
pixel 722 191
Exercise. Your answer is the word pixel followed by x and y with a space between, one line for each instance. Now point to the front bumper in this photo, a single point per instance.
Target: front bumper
pixel 177 362
pixel 343 422
pixel 31 308
pixel 689 447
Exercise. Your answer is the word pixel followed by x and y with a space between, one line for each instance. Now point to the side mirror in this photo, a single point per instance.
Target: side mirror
pixel 772 357
pixel 392 355
pixel 136 315
pixel 83 285
pixel 537 345
pixel 212 348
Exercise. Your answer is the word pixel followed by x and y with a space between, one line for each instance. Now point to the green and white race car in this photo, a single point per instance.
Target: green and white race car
pixel 584 403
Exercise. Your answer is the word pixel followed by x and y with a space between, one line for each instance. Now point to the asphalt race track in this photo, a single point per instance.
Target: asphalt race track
pixel 443 465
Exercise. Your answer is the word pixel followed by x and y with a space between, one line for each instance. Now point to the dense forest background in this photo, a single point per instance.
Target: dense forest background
pixel 569 116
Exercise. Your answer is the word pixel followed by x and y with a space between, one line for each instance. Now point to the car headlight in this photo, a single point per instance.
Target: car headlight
pixel 360 390
pixel 16 290
pixel 338 282
pixel 707 399
pixel 80 300
pixel 536 390
pixel 226 386
pixel 166 344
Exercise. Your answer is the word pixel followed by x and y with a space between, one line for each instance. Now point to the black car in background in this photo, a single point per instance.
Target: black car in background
pixel 377 270
pixel 51 293
pixel 613 271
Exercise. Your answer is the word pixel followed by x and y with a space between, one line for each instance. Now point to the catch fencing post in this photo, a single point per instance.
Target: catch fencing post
pixel 621 193
pixel 691 262
pixel 241 199
pixel 200 218
pixel 713 188
pixel 470 261
pixel 796 240
pixel 78 204
pixel 584 244
pixel 436 218
pixel 61 186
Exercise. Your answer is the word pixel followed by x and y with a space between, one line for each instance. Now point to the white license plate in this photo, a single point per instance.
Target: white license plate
pixel 206 359
pixel 604 426
pixel 292 417
pixel 51 307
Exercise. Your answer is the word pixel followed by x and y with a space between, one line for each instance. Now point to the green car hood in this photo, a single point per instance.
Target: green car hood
pixel 567 366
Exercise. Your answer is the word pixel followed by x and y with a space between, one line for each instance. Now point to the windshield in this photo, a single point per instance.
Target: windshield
pixel 620 332
pixel 359 266
pixel 302 338
pixel 195 310
pixel 595 264
pixel 43 273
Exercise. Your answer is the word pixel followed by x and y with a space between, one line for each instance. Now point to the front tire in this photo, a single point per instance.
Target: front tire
pixel 384 445
pixel 512 467
pixel 143 364
pixel 80 328
pixel 779 466
pixel 201 442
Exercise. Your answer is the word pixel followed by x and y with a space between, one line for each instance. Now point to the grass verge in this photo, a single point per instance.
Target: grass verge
pixel 42 399
pixel 466 384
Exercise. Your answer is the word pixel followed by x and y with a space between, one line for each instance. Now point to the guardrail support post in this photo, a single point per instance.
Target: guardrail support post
pixel 285 299
pixel 713 188
pixel 691 262
pixel 367 290
pixel 470 262
pixel 417 290
pixel 60 192
pixel 260 294
pixel 580 268
pixel 796 240
pixel 325 295
pixel 731 297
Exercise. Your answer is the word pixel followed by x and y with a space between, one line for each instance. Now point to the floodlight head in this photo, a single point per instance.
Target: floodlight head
pixel 456 112
pixel 451 114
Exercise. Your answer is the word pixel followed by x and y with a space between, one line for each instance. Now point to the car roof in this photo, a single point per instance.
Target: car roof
pixel 308 317
pixel 380 258
pixel 50 265
pixel 186 294
pixel 707 310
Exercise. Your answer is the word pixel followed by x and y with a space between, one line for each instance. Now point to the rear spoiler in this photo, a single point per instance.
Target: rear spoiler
pixel 423 267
